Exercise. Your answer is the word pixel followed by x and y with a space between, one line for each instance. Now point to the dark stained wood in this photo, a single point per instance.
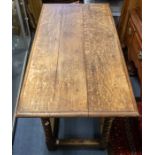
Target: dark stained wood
pixel 137 22
pixel 126 9
pixel 49 132
pixel 133 54
pixel 129 33
pixel 76 67
pixel 133 41
pixel 51 127
pixel 33 9
pixel 106 125
pixel 78 143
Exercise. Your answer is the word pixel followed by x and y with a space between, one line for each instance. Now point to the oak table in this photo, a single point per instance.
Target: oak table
pixel 76 69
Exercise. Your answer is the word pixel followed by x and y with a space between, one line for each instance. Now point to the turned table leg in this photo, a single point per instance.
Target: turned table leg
pixel 105 125
pixel 50 126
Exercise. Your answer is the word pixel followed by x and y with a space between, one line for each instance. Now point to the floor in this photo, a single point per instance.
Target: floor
pixel 29 136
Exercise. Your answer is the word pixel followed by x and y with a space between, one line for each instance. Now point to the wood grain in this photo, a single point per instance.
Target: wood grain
pixel 108 89
pixel 76 67
pixel 70 85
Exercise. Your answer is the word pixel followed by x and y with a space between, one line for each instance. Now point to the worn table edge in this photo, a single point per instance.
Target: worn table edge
pixel 78 114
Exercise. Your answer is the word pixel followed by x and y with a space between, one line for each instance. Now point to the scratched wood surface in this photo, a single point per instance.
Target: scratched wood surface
pixel 76 67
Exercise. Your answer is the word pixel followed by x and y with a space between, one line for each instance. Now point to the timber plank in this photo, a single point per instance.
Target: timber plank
pixel 76 67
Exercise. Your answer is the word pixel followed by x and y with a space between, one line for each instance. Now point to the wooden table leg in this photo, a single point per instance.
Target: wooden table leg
pixel 105 125
pixel 50 126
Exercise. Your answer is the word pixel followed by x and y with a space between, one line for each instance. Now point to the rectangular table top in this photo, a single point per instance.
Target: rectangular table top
pixel 76 67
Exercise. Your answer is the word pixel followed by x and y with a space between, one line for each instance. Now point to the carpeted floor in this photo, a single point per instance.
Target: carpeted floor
pixel 29 137
pixel 125 137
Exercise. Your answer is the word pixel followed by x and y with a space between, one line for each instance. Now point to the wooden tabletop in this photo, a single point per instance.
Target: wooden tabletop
pixel 76 67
